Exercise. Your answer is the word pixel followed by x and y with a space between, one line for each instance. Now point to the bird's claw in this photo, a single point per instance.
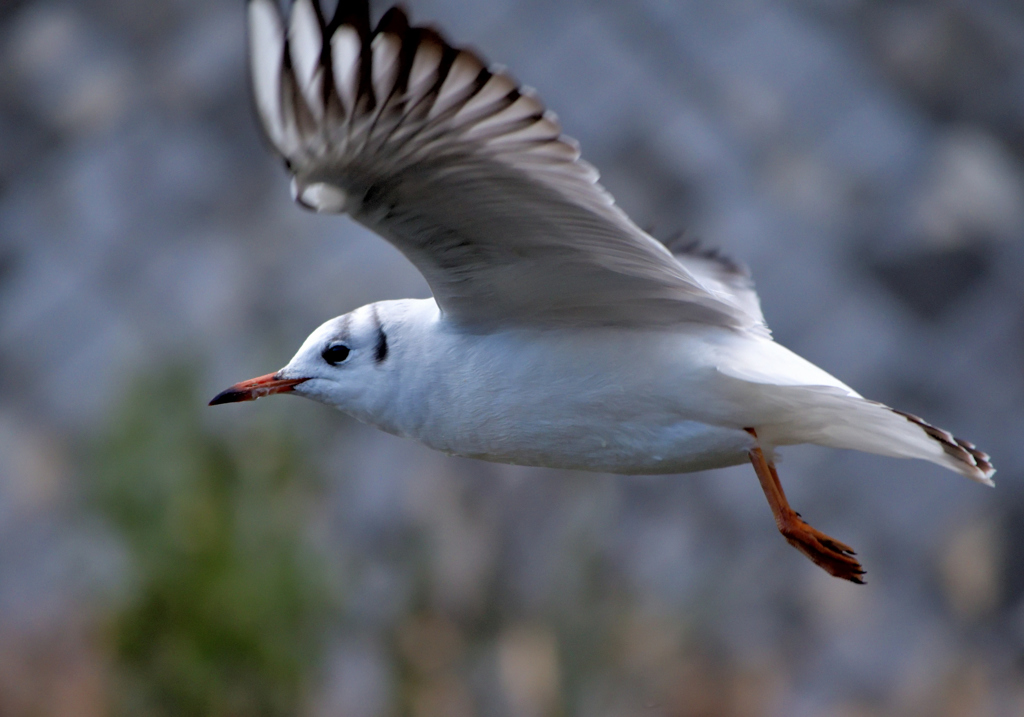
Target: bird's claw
pixel 833 556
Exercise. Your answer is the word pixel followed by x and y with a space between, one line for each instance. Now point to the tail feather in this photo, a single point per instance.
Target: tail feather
pixel 976 464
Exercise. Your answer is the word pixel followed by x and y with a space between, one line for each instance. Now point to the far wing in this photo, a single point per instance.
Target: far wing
pixel 719 273
pixel 464 172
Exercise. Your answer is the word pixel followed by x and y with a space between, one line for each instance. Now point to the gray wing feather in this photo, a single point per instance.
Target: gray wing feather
pixel 465 173
pixel 719 273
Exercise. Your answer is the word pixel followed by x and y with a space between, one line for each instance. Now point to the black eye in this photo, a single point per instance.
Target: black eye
pixel 335 354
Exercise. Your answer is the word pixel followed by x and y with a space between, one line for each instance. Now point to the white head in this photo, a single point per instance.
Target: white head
pixel 344 363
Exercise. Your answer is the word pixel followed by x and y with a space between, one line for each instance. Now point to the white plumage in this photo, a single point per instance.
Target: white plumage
pixel 305 41
pixel 559 334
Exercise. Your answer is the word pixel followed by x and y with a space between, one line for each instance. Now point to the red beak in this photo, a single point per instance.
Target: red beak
pixel 256 388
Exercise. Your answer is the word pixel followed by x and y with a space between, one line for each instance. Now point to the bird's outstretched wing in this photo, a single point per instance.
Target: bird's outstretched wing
pixel 464 172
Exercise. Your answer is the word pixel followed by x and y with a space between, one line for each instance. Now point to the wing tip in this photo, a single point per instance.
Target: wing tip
pixel 299 72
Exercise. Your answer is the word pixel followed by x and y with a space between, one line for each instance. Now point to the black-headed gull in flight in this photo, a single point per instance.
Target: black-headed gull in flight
pixel 559 334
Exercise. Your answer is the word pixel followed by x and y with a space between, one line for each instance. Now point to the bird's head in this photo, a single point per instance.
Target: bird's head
pixel 342 363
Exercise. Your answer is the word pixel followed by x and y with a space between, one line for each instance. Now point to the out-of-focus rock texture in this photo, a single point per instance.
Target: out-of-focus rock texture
pixel 865 158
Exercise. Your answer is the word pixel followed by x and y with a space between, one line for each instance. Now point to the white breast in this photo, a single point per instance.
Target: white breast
pixel 605 400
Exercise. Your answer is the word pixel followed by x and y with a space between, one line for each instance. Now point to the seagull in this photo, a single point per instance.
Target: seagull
pixel 559 333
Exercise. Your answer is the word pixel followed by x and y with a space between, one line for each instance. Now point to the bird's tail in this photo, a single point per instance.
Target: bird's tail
pixel 960 455
pixel 829 416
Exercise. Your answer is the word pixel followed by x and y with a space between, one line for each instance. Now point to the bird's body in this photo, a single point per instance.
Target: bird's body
pixel 609 399
pixel 612 399
pixel 560 334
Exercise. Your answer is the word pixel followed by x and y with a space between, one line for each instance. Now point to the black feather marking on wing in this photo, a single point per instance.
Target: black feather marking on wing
pixel 448 55
pixel 390 114
pixel 352 12
pixel 394 21
pixel 416 38
pixel 961 450
pixel 682 245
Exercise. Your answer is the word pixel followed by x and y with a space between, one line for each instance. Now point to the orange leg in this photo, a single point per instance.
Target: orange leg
pixel 827 553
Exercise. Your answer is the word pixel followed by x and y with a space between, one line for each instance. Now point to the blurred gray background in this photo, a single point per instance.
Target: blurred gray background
pixel 864 158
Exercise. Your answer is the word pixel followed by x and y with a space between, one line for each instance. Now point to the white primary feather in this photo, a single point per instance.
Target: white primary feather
pixel 424 68
pixel 305 42
pixel 486 101
pixel 385 64
pixel 345 48
pixel 457 84
pixel 545 129
pixel 266 53
pixel 523 110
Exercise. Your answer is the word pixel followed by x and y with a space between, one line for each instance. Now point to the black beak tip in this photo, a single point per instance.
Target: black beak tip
pixel 228 396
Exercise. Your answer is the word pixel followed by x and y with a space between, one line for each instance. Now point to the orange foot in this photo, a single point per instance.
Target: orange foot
pixel 833 557
pixel 827 553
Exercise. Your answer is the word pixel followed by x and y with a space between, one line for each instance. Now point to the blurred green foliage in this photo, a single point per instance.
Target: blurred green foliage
pixel 225 602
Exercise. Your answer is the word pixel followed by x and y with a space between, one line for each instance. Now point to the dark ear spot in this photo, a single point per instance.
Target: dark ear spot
pixel 381 350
